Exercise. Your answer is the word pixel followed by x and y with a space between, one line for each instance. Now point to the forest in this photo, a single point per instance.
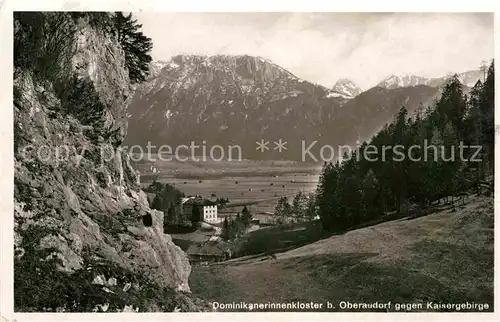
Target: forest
pixel 361 188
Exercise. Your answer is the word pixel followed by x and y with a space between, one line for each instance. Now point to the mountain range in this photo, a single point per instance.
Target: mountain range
pixel 227 100
pixel 468 79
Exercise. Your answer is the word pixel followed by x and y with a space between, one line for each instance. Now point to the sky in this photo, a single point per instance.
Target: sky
pixel 323 47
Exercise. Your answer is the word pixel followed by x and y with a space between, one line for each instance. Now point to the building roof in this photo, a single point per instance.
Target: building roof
pixel 197 201
pixel 206 249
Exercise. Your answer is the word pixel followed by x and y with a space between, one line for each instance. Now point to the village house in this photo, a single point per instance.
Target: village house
pixel 207 252
pixel 208 208
pixel 210 213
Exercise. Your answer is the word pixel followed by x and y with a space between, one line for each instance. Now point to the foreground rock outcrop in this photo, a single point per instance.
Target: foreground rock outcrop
pixel 78 202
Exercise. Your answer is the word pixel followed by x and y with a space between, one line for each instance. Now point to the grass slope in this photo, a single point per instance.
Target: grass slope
pixel 445 257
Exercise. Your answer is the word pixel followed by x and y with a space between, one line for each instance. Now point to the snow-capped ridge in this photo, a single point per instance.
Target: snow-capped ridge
pixel 406 80
pixel 468 78
pixel 344 88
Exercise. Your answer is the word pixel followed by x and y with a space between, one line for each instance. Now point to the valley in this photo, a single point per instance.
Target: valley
pixel 258 184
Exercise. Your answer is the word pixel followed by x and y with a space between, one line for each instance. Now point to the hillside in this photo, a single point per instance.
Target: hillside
pixel 446 256
pixel 362 117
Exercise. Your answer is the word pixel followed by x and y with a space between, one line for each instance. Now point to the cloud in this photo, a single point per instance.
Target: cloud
pixel 322 47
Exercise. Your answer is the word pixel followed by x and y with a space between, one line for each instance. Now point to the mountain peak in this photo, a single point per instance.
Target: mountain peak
pixel 345 88
pixel 407 80
pixel 155 67
pixel 468 79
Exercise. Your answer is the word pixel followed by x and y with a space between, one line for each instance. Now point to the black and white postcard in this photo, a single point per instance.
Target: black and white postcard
pixel 269 161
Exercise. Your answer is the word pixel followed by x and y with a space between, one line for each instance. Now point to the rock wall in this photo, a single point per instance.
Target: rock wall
pixel 74 185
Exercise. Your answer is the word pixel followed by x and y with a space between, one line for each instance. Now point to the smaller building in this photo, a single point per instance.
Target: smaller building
pixel 210 213
pixel 210 252
pixel 208 208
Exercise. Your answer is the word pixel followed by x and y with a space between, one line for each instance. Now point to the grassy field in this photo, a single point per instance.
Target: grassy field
pixel 255 183
pixel 444 257
pixel 275 239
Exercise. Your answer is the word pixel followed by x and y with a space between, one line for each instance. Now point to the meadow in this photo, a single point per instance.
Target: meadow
pixel 444 257
pixel 258 184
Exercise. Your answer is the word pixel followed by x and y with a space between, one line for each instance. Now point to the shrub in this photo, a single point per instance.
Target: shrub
pixel 82 101
pixel 44 44
pixel 39 285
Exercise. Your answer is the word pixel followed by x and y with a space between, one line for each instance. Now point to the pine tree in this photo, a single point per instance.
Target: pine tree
pixel 225 229
pixel 196 214
pixel 233 229
pixel 399 167
pixel 246 216
pixel 359 190
pixel 282 211
pixel 157 202
pixel 348 194
pixel 170 218
pixel 452 106
pixel 311 207
pixel 135 44
pixel 299 206
pixel 326 195
pixel 371 207
pixel 473 118
pixel 487 108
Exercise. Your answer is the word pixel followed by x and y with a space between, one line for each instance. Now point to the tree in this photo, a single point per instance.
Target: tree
pixel 44 44
pixel 225 229
pixel 166 196
pixel 171 215
pixel 222 202
pixel 282 211
pixel 399 183
pixel 360 190
pixel 246 216
pixel 299 206
pixel 235 227
pixel 452 106
pixel 348 194
pixel 195 214
pixel 311 207
pixel 154 187
pixel 371 207
pixel 135 44
pixel 326 195
pixel 487 108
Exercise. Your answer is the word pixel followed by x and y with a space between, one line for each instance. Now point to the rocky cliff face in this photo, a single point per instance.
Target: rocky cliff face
pixel 77 198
